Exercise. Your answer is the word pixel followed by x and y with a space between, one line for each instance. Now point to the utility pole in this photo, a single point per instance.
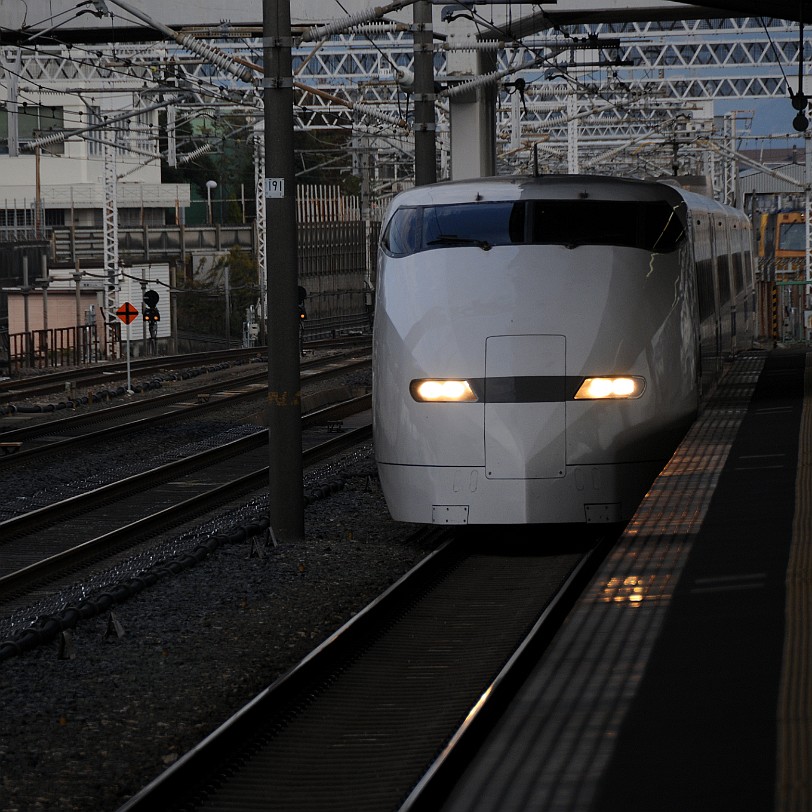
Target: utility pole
pixel 807 234
pixel 26 291
pixel 283 410
pixel 261 238
pixel 143 284
pixel 112 268
pixel 573 129
pixel 45 276
pixel 425 157
pixel 227 286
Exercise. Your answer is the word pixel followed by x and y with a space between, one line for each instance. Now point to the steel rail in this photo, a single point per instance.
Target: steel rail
pixel 37 429
pixel 438 780
pixel 62 425
pixel 421 655
pixel 162 792
pixel 55 381
pixel 103 547
pixel 81 503
pixel 106 373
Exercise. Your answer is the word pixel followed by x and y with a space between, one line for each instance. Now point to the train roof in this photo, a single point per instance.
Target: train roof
pixel 560 187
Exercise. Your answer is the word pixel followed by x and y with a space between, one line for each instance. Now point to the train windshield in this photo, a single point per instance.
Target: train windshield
pixel 792 237
pixel 649 225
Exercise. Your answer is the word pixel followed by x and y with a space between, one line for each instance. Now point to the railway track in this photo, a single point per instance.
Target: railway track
pixel 82 429
pixel 383 714
pixel 54 541
pixel 104 374
pixel 14 389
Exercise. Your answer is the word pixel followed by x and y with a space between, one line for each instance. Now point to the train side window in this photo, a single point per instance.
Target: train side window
pixel 738 272
pixel 724 278
pixel 705 291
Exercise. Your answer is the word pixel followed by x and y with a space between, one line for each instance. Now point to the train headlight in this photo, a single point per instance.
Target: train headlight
pixel 429 390
pixel 626 387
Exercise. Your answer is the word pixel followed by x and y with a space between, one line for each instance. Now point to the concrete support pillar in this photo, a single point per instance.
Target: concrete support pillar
pixel 472 114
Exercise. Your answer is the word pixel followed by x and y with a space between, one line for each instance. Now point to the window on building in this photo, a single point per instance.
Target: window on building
pixel 34 122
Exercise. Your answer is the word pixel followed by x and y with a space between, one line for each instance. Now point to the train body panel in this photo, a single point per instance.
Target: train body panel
pixel 464 495
pixel 525 319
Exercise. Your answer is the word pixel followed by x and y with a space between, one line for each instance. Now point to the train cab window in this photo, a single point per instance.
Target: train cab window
pixel 792 237
pixel 413 229
pixel 492 223
pixel 483 224
pixel 403 233
pixel 650 226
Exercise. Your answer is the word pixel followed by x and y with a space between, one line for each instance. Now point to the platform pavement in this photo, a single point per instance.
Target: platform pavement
pixel 683 679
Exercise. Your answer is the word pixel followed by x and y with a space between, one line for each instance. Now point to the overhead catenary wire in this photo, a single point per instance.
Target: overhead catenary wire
pixel 318 32
pixel 331 97
pixel 187 157
pixel 213 55
pixel 245 72
pixel 243 69
pixel 539 58
pixel 55 138
pixel 135 69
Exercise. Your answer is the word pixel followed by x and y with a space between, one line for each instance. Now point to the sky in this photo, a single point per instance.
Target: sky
pixel 770 117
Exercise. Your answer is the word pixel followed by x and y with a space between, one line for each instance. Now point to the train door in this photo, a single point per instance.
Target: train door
pixel 725 315
pixel 709 338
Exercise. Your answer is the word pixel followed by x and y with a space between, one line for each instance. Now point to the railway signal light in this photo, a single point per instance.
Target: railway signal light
pixel 151 314
pixel 151 298
pixel 302 296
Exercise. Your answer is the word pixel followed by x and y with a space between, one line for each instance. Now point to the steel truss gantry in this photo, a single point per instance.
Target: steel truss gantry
pixel 112 266
pixel 653 88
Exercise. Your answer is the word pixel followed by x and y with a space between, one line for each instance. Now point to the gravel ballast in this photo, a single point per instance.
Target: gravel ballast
pixel 86 733
pixel 91 717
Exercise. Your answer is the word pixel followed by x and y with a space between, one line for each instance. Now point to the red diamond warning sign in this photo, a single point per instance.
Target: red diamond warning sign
pixel 126 312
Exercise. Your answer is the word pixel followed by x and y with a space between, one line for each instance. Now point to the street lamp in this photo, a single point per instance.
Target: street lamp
pixel 210 184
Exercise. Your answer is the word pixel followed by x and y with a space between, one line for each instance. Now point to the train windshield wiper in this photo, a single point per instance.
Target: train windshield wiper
pixel 454 239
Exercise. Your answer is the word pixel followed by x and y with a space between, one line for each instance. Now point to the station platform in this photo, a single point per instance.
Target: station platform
pixel 683 678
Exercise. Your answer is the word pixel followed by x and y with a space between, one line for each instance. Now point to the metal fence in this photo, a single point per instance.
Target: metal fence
pixel 149 243
pixel 336 264
pixel 45 349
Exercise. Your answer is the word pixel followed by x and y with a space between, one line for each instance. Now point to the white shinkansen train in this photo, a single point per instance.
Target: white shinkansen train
pixel 542 344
